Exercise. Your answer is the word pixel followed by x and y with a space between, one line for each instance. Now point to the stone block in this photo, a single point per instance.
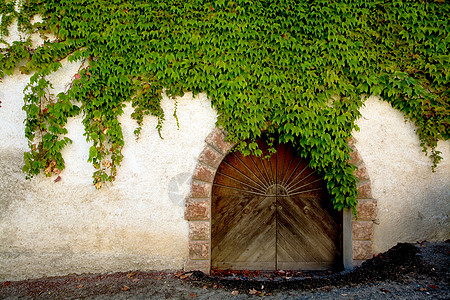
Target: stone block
pixel 199 249
pixel 364 190
pixel 361 173
pixel 198 265
pixel 351 142
pixel 217 140
pixel 362 250
pixel 357 263
pixel 367 209
pixel 199 230
pixel 200 189
pixel 355 157
pixel 362 230
pixel 204 172
pixel 197 209
pixel 211 157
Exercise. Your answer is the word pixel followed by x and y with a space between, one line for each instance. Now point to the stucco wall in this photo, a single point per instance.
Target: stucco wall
pixel 49 228
pixel 413 202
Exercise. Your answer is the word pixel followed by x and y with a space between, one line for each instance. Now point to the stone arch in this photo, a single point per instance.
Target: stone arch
pixel 357 234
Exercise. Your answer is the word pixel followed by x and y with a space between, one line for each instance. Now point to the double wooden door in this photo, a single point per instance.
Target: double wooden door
pixel 270 214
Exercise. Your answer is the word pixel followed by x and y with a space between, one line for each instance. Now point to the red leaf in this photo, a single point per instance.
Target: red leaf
pixel 433 286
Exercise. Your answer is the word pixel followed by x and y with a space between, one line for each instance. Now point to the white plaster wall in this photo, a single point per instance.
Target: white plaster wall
pixel 49 228
pixel 413 202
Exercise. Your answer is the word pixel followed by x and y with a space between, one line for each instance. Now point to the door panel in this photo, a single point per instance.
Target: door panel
pixel 302 236
pixel 272 214
pixel 245 235
pixel 243 223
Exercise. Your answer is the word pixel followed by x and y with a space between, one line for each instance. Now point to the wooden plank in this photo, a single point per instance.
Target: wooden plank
pixel 234 265
pixel 302 240
pixel 237 177
pixel 304 236
pixel 261 252
pixel 252 168
pixel 226 217
pixel 287 252
pixel 306 266
pixel 247 241
pixel 294 219
pixel 229 211
pixel 328 221
pixel 245 235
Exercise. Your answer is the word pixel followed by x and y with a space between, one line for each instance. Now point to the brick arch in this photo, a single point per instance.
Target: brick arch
pixel 357 234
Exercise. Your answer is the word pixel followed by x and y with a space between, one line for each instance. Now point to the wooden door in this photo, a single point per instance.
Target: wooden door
pixel 270 214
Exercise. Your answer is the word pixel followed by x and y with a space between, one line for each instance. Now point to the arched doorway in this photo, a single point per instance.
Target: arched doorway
pixel 357 234
pixel 269 214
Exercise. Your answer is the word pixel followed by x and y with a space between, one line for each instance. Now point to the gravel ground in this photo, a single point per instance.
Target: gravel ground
pixel 407 271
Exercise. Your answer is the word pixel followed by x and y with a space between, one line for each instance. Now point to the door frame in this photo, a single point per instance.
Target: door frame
pixel 357 235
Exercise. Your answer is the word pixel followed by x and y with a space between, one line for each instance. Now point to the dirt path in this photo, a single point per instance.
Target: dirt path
pixel 407 271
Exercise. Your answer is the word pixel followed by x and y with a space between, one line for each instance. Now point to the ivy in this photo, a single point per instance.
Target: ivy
pixel 295 70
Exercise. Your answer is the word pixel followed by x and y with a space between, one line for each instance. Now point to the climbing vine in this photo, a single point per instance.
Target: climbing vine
pixel 296 70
